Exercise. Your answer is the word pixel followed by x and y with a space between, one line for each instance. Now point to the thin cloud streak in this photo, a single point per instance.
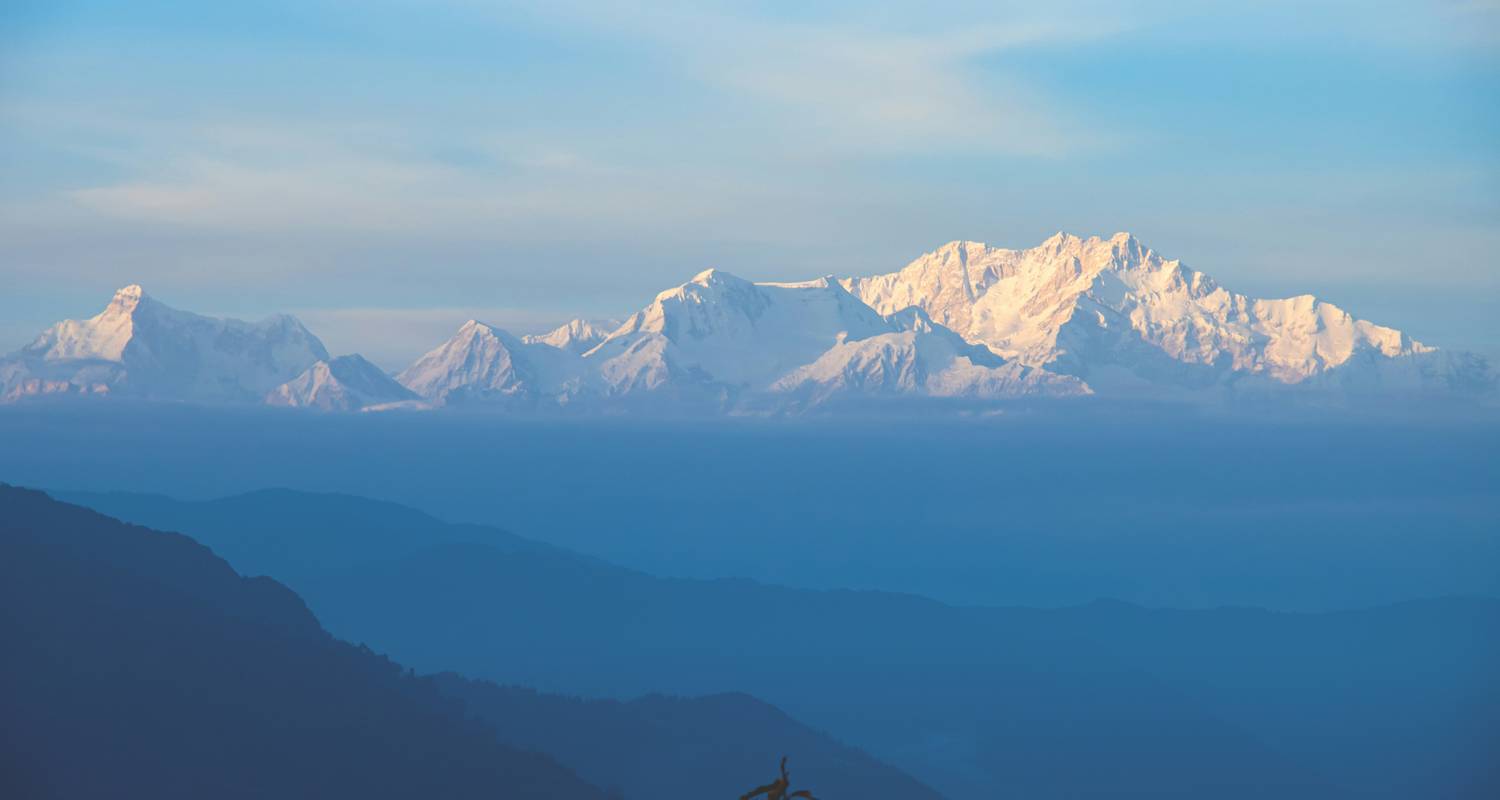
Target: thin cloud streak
pixel 840 90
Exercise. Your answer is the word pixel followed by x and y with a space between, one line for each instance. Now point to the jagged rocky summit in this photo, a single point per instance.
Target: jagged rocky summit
pixel 965 324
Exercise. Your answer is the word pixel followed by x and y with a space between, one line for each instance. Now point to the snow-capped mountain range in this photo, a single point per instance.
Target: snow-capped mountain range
pixel 968 322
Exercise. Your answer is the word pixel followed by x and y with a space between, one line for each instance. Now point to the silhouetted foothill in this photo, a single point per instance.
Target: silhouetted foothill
pixel 144 658
pixel 138 664
pixel 1390 702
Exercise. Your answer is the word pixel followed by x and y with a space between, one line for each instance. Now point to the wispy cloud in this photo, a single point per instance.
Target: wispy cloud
pixel 426 152
pixel 270 176
pixel 845 87
pixel 802 95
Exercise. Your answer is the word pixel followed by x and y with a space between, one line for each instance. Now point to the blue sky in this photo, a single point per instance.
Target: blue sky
pixel 389 169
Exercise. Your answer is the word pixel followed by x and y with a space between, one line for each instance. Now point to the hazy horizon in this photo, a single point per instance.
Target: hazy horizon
pixel 1157 505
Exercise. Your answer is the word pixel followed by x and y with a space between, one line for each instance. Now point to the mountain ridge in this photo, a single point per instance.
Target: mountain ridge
pixel 174 608
pixel 346 383
pixel 140 347
pixel 1086 306
pixel 966 322
pixel 971 696
pixel 146 666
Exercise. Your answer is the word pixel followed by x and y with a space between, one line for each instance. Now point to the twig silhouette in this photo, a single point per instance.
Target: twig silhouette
pixel 779 789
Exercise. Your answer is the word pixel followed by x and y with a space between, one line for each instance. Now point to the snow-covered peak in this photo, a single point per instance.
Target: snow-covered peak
pixel 103 336
pixel 710 284
pixel 127 297
pixel 475 328
pixel 917 358
pixel 483 363
pixel 794 345
pixel 476 334
pixel 1090 306
pixel 346 383
pixel 1072 315
pixel 712 275
pixel 729 331
pixel 576 336
pixel 141 347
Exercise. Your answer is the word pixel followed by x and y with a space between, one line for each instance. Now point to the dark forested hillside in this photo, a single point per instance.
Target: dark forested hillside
pixel 138 664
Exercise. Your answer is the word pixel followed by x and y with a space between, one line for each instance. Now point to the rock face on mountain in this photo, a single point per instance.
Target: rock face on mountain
pixel 1123 318
pixel 138 347
pixel 346 383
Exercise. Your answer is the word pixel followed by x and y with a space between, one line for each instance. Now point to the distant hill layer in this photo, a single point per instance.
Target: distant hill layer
pixel 139 664
pixel 1395 701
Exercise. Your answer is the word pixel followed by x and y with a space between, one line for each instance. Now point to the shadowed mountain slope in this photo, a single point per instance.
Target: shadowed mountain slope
pixel 140 665
pixel 147 659
pixel 975 701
